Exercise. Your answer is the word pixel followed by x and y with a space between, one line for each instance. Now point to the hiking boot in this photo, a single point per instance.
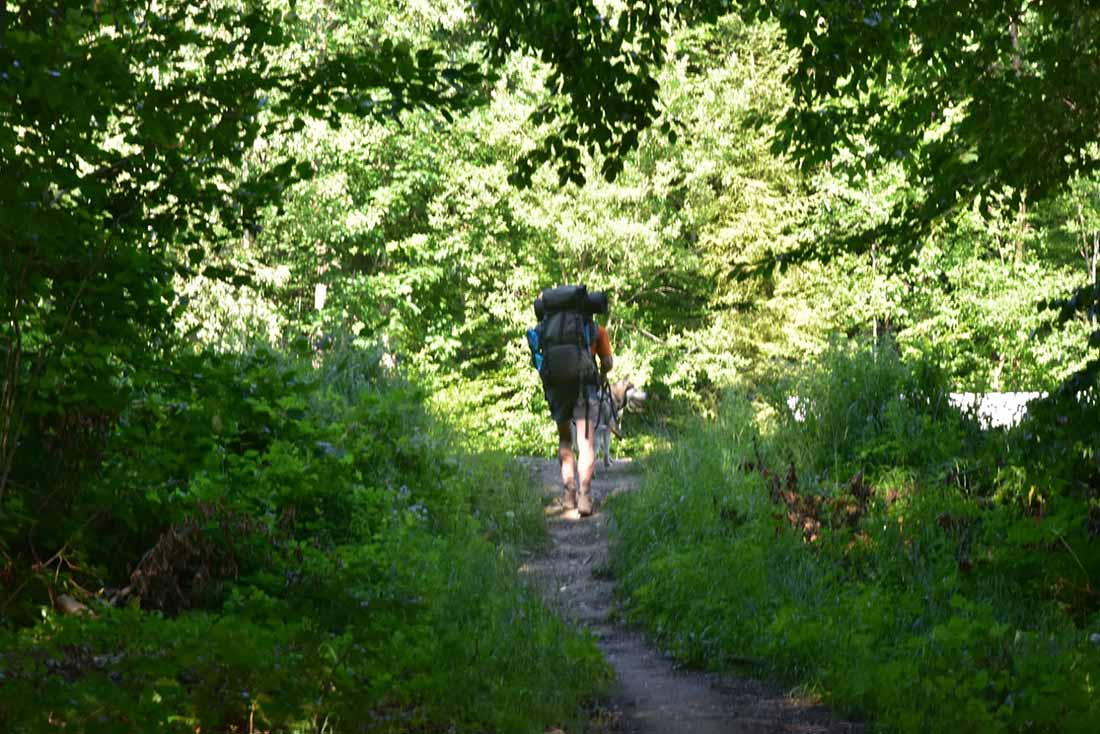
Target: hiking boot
pixel 584 505
pixel 569 499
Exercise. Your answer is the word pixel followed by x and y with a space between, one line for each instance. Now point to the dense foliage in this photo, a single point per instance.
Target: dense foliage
pixel 237 538
pixel 303 549
pixel 265 269
pixel 883 549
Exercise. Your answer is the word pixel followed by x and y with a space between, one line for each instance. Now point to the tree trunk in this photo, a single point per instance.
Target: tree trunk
pixel 1021 229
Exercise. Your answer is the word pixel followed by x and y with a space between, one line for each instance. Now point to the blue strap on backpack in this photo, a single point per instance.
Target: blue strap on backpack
pixel 533 343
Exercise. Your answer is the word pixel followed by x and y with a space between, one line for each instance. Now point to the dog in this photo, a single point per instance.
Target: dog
pixel 621 397
pixel 614 400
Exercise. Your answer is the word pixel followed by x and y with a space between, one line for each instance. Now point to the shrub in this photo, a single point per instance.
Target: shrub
pixel 313 551
pixel 864 407
pixel 849 555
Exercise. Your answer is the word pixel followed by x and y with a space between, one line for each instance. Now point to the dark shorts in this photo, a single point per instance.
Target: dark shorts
pixel 569 402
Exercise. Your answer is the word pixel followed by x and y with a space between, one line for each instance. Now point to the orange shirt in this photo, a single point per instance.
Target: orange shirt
pixel 602 347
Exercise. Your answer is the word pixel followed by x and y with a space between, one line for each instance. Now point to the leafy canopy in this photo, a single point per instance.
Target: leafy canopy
pixel 968 95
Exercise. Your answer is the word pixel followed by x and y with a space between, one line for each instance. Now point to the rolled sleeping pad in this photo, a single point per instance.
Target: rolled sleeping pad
pixel 570 298
pixel 565 298
pixel 597 302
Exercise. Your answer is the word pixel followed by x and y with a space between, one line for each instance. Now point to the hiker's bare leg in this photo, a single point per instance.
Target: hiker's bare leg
pixel 586 446
pixel 568 464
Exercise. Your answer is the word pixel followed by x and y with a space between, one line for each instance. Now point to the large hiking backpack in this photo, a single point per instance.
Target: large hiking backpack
pixel 561 345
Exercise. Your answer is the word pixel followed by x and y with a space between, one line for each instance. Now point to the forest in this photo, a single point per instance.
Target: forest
pixel 266 268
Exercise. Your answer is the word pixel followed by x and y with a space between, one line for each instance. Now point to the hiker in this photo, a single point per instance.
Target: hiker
pixel 565 347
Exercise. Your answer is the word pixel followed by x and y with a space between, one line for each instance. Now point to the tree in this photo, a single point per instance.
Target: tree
pixel 604 59
pixel 123 140
pixel 968 96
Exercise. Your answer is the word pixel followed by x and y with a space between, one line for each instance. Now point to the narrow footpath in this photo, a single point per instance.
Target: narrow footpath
pixel 652 695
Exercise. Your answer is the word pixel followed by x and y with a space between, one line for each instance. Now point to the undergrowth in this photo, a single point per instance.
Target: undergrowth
pixel 884 552
pixel 505 411
pixel 270 545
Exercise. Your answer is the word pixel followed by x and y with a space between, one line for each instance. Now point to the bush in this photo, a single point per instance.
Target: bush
pixel 844 555
pixel 865 407
pixel 311 550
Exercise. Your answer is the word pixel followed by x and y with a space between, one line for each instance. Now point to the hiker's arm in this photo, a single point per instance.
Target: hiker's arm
pixel 603 350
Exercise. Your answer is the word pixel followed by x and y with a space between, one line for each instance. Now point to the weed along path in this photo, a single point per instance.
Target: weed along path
pixel 652 695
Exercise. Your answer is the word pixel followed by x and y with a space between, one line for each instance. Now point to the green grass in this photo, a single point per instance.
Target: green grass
pixel 353 568
pixel 936 611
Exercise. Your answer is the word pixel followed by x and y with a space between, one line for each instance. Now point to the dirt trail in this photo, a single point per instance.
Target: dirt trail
pixel 652 695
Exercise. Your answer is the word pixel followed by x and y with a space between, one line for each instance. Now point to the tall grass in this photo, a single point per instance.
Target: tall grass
pixel 862 407
pixel 931 610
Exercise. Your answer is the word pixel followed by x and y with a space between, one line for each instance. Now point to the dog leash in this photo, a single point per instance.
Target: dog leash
pixel 605 389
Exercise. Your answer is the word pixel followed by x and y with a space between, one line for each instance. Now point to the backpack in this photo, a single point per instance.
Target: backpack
pixel 561 344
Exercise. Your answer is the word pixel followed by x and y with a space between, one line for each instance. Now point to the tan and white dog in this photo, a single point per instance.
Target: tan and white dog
pixel 614 401
pixel 621 397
